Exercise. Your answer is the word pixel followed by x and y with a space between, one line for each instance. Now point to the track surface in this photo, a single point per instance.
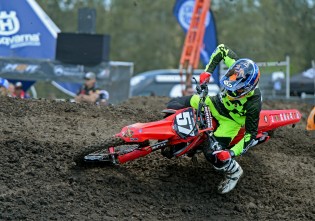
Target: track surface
pixel 40 181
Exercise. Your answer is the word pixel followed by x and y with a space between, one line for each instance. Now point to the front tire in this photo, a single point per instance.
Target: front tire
pixel 103 147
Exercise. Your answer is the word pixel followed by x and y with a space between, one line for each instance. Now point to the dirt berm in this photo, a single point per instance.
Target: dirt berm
pixel 40 181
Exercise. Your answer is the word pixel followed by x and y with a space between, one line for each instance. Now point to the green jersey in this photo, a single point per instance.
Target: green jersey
pixel 234 113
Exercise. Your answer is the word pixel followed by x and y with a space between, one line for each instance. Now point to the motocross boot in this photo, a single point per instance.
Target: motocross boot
pixel 232 173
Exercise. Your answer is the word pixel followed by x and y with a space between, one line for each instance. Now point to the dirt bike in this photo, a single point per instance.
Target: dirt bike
pixel 180 132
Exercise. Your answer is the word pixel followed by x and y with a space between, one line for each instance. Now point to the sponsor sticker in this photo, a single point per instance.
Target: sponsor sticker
pixel 128 133
pixel 21 68
pixel 266 118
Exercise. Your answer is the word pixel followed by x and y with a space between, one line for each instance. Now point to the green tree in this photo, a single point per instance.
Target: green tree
pixel 268 30
pixel 146 32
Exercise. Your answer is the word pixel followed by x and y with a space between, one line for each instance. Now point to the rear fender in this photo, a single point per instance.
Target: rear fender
pixel 270 120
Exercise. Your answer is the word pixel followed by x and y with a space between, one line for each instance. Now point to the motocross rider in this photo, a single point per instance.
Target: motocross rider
pixel 238 104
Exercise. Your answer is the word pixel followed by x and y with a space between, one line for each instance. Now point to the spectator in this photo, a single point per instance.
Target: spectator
pixel 278 78
pixel 89 91
pixel 11 89
pixel 4 85
pixel 189 91
pixel 19 92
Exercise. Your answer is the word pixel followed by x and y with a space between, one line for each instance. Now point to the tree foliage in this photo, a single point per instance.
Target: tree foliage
pixel 146 32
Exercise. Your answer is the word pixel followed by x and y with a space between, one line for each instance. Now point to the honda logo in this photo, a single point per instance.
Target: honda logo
pixel 9 23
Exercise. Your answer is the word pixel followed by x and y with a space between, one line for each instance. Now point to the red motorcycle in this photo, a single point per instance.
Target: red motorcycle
pixel 180 132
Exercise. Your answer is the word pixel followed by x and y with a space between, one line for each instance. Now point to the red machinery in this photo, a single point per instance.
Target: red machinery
pixel 191 50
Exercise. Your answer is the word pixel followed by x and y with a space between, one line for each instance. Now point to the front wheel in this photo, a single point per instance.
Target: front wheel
pixel 101 153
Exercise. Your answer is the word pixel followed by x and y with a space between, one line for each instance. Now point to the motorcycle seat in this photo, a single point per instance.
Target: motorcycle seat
pixel 168 111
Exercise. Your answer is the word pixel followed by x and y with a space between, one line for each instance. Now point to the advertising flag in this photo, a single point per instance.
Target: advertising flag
pixel 26 31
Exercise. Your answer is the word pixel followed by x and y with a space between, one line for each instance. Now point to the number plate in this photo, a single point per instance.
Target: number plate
pixel 185 123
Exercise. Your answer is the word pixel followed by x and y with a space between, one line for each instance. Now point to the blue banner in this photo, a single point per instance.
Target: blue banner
pixel 26 31
pixel 183 10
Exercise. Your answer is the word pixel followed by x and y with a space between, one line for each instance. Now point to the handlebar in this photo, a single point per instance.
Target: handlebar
pixel 203 113
pixel 202 90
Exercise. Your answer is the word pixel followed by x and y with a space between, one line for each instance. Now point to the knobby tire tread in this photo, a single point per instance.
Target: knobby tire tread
pixel 110 142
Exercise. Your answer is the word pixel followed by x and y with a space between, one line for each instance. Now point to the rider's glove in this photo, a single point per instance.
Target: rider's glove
pixel 204 78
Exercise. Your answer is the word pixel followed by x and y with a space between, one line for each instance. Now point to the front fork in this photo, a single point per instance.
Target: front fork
pixel 112 154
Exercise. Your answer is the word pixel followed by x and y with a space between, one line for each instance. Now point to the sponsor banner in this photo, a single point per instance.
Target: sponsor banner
pixel 102 72
pixel 23 69
pixel 183 10
pixel 68 70
pixel 27 53
pixel 26 31
pixel 31 69
pixel 112 76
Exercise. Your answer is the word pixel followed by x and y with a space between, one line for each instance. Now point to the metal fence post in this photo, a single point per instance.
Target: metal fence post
pixel 288 77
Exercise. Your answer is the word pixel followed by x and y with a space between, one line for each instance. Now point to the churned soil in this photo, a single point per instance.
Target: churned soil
pixel 39 179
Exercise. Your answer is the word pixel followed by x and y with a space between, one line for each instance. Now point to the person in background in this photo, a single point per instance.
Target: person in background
pixel 89 91
pixel 4 86
pixel 19 92
pixel 189 90
pixel 11 89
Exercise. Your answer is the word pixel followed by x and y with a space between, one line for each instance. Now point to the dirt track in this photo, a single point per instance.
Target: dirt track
pixel 40 181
